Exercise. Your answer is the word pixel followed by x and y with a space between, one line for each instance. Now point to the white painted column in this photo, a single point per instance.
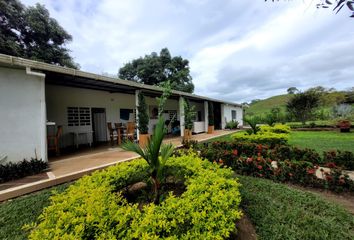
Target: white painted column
pixel 206 115
pixel 44 143
pixel 223 120
pixel 181 115
pixel 137 112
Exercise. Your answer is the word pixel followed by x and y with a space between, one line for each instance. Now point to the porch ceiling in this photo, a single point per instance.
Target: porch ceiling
pixel 80 82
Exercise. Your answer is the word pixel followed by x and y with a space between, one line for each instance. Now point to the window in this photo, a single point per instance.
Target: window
pixel 233 115
pixel 79 116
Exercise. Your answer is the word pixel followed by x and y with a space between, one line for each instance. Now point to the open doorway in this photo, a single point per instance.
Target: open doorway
pixel 217 116
pixel 99 125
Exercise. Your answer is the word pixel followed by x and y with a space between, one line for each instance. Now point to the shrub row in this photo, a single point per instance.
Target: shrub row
pixel 216 150
pixel 258 163
pixel 11 171
pixel 94 208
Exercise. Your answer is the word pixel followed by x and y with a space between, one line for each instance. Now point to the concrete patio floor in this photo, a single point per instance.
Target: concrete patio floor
pixel 68 168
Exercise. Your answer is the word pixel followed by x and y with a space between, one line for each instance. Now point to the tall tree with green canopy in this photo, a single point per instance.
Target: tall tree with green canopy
pixel 30 32
pixel 156 69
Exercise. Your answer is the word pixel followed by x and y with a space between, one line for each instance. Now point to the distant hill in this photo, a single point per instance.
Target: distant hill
pixel 264 106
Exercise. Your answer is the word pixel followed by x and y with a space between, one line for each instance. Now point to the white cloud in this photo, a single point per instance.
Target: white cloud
pixel 238 50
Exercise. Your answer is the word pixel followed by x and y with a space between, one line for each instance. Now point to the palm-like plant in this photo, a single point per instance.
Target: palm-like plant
pixel 155 153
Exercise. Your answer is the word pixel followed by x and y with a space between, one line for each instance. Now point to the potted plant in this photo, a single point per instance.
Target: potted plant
pixel 189 115
pixel 210 118
pixel 143 120
pixel 344 125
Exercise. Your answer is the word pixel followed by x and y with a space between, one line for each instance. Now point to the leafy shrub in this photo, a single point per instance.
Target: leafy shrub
pixel 94 208
pixel 344 159
pixel 269 138
pixel 11 171
pixel 277 128
pixel 232 125
pixel 294 165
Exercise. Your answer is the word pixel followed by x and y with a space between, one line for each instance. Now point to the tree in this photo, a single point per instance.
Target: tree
pixel 30 32
pixel 189 114
pixel 292 90
pixel 155 152
pixel 337 5
pixel 155 69
pixel 302 105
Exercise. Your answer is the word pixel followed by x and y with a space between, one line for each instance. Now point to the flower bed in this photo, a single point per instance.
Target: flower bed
pixel 281 163
pixel 94 207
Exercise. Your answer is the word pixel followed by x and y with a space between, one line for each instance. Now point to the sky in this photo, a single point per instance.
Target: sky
pixel 238 50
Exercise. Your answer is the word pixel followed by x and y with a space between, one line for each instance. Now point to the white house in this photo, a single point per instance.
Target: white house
pixel 36 97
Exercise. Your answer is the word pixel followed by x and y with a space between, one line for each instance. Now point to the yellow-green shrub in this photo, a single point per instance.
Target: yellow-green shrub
pixel 277 128
pixel 93 208
pixel 267 138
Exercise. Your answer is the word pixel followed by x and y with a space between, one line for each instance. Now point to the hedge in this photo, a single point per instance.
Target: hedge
pixel 94 208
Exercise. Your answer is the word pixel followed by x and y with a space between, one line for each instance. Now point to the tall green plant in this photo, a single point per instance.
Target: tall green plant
pixel 210 114
pixel 189 114
pixel 143 118
pixel 155 153
pixel 253 121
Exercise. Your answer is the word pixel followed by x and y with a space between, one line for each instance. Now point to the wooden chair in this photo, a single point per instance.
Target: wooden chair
pixel 130 132
pixel 53 140
pixel 112 133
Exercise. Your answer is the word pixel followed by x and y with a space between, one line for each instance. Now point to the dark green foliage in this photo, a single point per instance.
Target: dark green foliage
pixel 143 117
pixel 30 32
pixel 12 171
pixel 155 69
pixel 189 114
pixel 344 159
pixel 210 114
pixel 281 212
pixel 302 105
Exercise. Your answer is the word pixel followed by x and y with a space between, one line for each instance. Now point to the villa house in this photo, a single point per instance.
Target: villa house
pixel 36 97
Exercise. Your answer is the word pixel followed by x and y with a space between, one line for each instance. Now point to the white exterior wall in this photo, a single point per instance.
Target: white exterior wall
pixel 228 117
pixel 22 116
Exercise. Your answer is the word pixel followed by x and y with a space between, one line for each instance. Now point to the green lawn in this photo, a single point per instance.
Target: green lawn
pixel 226 138
pixel 323 140
pixel 23 210
pixel 281 212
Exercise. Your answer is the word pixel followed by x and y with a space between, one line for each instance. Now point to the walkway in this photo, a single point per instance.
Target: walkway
pixel 67 169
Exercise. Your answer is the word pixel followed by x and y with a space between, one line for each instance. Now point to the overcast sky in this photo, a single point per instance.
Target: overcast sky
pixel 238 50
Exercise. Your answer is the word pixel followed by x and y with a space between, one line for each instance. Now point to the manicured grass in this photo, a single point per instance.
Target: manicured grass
pixel 323 140
pixel 23 210
pixel 280 212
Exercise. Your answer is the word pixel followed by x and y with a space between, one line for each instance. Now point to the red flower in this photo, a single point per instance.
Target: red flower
pixel 290 174
pixel 329 178
pixel 261 175
pixel 311 171
pixel 221 161
pixel 259 167
pixel 331 165
pixel 249 160
pixel 341 181
pixel 259 154
pixel 235 152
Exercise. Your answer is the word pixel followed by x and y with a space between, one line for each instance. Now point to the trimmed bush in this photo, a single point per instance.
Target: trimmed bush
pixel 277 128
pixel 94 208
pixel 268 138
pixel 11 171
pixel 232 125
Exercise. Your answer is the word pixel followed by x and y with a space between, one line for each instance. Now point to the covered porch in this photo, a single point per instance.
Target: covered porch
pixel 84 109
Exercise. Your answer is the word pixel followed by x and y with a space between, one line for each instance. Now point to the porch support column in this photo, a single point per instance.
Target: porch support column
pixel 206 116
pixel 181 115
pixel 137 112
pixel 223 120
